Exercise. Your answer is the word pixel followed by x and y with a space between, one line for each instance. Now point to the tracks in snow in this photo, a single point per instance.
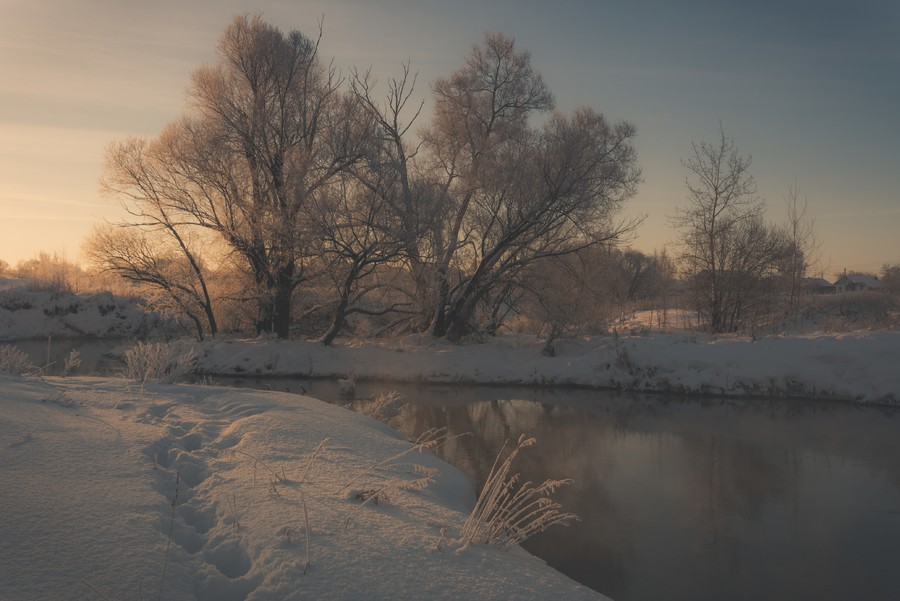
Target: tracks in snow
pixel 203 528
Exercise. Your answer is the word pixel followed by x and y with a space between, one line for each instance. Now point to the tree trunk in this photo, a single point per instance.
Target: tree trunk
pixel 210 318
pixel 281 320
pixel 264 312
pixel 340 317
pixel 439 322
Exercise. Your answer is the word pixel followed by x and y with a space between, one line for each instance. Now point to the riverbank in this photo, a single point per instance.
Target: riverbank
pixel 857 367
pixel 118 491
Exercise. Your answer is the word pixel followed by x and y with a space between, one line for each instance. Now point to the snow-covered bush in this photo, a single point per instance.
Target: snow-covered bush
pixel 158 361
pixel 14 361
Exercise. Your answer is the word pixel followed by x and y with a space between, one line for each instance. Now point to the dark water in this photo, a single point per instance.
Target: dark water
pixel 688 499
pixel 95 357
pixel 679 499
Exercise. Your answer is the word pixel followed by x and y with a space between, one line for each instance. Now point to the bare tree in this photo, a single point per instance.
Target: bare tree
pixel 723 215
pixel 393 175
pixel 576 293
pixel 154 245
pixel 167 263
pixel 268 130
pixel 753 258
pixel 803 246
pixel 359 236
pixel 507 194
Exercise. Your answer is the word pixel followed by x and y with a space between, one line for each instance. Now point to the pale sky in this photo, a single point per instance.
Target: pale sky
pixel 810 89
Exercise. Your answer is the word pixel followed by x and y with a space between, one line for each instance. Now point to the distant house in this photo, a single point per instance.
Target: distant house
pixel 857 282
pixel 818 286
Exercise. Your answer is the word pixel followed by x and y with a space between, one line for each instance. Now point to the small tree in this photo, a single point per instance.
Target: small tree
pixel 581 292
pixel 726 248
pixel 890 279
pixel 802 246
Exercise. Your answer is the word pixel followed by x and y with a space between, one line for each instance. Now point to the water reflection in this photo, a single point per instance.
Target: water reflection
pixel 95 356
pixel 696 500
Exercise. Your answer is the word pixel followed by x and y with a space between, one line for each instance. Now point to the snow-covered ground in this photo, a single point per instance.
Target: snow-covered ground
pixel 28 313
pixel 91 466
pixel 857 366
pixel 862 367
pixel 114 491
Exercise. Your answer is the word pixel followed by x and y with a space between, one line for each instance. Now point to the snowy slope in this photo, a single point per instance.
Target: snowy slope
pixel 91 467
pixel 28 313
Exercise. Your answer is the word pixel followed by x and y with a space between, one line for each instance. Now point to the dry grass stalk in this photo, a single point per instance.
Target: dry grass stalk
pixel 157 361
pixel 312 460
pixel 504 515
pixel 429 440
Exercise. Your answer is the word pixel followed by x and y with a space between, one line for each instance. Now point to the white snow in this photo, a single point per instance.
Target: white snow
pixel 91 468
pixel 861 366
pixel 28 313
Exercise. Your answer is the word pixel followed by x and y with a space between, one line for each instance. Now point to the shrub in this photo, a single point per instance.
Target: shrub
pixel 157 361
pixel 12 303
pixel 14 361
pixel 61 310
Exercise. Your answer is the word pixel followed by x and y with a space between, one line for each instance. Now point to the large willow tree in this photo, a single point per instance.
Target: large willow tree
pixel 267 130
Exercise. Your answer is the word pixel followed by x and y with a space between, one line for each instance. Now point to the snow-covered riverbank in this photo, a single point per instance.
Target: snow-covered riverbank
pixel 862 367
pixel 92 465
pixel 262 484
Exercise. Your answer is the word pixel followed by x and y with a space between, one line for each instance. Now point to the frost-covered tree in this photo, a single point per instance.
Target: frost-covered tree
pixel 507 193
pixel 726 249
pixel 803 246
pixel 165 261
pixel 267 130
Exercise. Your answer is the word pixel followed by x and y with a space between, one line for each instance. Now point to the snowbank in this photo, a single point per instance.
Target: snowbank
pixel 26 313
pixel 187 492
pixel 861 367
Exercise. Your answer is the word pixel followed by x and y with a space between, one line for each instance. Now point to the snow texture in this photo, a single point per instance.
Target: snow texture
pixel 191 492
pixel 26 313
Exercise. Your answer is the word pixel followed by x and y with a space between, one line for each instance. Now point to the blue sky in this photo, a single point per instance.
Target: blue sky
pixel 809 89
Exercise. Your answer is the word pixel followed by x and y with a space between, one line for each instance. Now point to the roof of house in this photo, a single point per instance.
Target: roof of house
pixel 869 281
pixel 820 282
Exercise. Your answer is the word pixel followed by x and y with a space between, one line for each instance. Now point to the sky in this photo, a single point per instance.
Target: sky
pixel 809 89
